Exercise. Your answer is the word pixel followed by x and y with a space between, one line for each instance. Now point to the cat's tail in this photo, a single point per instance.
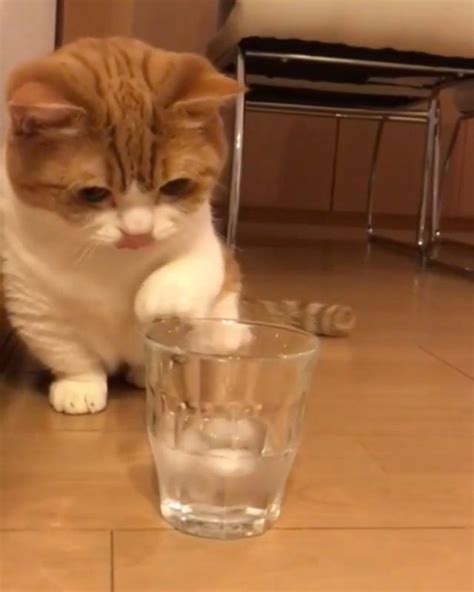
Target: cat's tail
pixel 333 320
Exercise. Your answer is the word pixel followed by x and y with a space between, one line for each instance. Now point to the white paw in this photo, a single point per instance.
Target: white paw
pixel 168 293
pixel 76 396
pixel 222 338
pixel 136 376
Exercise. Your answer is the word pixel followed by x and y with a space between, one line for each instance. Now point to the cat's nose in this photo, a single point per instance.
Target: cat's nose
pixel 136 220
pixel 134 241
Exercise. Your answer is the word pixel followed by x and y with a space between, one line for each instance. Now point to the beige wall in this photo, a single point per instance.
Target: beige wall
pixel 19 20
pixel 179 25
pixel 288 159
pixel 96 18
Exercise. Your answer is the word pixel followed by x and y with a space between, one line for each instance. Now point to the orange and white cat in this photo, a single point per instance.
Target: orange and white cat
pixel 111 159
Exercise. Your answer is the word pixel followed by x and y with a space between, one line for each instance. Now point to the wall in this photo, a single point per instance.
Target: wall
pixel 288 166
pixel 27 30
pixel 95 18
pixel 178 25
pixel 181 25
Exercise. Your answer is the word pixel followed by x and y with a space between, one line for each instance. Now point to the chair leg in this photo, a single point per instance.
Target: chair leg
pixel 373 169
pixel 428 174
pixel 435 198
pixel 234 198
pixel 337 135
pixel 438 198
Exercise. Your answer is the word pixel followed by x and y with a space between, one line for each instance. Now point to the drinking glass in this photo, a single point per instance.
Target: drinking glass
pixel 225 406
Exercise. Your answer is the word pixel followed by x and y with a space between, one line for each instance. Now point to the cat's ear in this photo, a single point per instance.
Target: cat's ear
pixel 202 88
pixel 36 108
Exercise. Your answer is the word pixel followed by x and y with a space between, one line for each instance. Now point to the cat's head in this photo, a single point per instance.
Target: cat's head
pixel 120 139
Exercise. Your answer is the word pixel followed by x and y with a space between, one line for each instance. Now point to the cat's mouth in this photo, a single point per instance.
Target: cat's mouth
pixel 135 241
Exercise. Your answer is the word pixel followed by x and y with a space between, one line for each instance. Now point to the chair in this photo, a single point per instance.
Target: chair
pixel 359 59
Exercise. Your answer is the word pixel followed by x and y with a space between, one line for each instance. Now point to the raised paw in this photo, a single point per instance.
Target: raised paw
pixel 169 294
pixel 78 395
pixel 225 338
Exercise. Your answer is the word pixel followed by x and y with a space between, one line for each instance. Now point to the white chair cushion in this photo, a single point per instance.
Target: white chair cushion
pixel 438 27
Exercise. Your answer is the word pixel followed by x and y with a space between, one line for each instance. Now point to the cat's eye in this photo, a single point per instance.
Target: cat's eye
pixel 94 195
pixel 178 187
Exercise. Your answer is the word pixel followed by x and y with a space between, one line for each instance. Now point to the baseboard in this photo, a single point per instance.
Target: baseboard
pixel 280 226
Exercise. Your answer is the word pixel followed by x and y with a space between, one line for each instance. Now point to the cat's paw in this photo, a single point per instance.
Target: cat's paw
pixel 77 396
pixel 169 293
pixel 225 338
pixel 136 376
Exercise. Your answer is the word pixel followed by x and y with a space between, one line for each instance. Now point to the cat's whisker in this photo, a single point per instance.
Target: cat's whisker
pixel 79 260
pixel 88 254
pixel 94 248
pixel 84 254
pixel 77 255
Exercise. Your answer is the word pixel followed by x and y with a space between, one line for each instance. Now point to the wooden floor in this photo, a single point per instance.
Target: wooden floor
pixel 381 495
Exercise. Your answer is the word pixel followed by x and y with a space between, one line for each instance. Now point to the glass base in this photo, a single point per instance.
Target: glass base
pixel 216 522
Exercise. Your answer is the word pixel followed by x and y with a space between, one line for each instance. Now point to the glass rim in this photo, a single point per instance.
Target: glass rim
pixel 311 350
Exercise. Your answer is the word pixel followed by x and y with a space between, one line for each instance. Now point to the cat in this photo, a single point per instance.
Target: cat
pixel 113 152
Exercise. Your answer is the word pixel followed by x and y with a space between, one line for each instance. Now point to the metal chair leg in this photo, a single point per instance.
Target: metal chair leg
pixel 438 202
pixel 428 175
pixel 234 198
pixel 332 196
pixel 373 169
pixel 435 198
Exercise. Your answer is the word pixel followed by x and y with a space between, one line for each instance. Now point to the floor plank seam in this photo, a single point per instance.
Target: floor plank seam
pixel 323 528
pixel 112 562
pixel 445 362
pixel 275 528
pixel 53 530
pixel 41 432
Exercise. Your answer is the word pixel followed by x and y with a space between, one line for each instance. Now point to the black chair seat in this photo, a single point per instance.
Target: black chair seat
pixel 387 63
pixel 307 97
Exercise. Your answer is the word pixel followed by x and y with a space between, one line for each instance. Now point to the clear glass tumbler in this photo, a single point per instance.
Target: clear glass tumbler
pixel 225 405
